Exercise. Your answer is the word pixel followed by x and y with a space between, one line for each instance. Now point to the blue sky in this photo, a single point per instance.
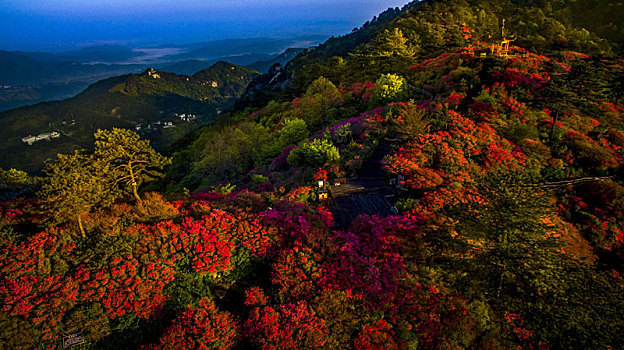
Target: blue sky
pixel 63 24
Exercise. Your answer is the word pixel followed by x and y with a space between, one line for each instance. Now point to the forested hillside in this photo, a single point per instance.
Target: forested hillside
pixel 434 27
pixel 144 101
pixel 489 179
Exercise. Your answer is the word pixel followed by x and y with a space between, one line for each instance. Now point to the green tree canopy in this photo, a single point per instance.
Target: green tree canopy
pixel 227 153
pixel 390 88
pixel 72 187
pixel 127 160
pixel 293 132
pixel 321 85
pixel 316 153
pixel 15 183
pixel 390 52
pixel 391 43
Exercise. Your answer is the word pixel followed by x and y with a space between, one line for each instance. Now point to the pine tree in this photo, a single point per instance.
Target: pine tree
pixel 127 160
pixel 390 52
pixel 392 43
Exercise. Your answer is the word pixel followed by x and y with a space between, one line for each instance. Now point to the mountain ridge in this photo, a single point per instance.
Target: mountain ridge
pixel 122 101
pixel 486 18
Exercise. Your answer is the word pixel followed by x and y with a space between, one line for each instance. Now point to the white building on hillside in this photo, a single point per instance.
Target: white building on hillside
pixel 45 136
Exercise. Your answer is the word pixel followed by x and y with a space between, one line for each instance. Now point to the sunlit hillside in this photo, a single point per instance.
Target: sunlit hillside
pixel 448 176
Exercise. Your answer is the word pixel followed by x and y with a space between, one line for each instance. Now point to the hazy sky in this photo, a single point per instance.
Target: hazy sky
pixel 62 24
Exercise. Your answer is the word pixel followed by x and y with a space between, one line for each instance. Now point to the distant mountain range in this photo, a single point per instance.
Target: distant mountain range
pixel 19 69
pixel 27 78
pixel 190 67
pixel 162 106
pixel 231 47
pixel 100 54
pixel 257 61
pixel 283 58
